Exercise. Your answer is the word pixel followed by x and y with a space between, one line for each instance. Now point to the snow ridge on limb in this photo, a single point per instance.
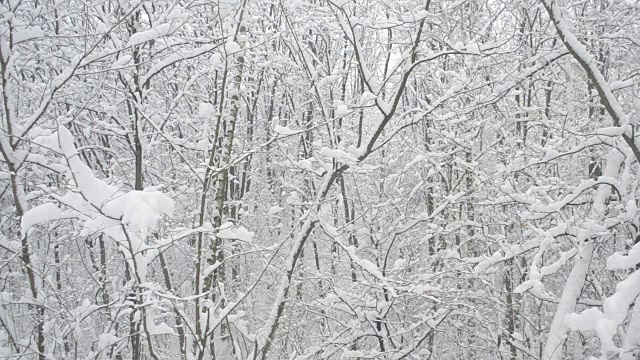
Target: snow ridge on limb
pixel 588 63
pixel 267 333
pixel 606 328
pixel 578 275
pixel 135 211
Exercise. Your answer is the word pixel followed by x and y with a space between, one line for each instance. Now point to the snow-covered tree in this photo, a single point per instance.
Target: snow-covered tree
pixel 319 179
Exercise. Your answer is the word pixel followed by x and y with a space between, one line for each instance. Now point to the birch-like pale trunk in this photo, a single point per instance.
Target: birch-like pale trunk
pixel 577 277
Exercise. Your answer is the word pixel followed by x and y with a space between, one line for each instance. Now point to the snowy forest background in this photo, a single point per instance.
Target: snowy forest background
pixel 319 179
